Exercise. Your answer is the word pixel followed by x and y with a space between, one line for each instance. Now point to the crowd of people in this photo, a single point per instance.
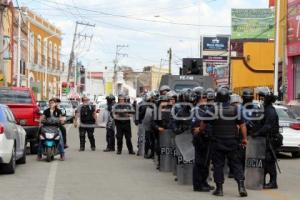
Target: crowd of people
pixel 219 123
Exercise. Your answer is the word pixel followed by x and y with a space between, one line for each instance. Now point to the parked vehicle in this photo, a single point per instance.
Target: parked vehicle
pixel 22 102
pixel 50 137
pixel 290 131
pixel 67 110
pixel 75 104
pixel 12 141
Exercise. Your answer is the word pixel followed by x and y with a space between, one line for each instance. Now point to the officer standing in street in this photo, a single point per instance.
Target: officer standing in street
pixel 270 130
pixel 226 142
pixel 87 114
pixel 201 143
pixel 122 112
pixel 110 124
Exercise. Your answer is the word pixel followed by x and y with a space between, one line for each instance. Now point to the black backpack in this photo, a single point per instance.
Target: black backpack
pixel 86 114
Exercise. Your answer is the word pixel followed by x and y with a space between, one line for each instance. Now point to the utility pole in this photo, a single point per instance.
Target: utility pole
pixel 277 49
pixel 116 61
pixel 3 70
pixel 170 60
pixel 72 54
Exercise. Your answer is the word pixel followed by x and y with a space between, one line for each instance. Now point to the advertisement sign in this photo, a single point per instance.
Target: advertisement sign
pixel 293 33
pixel 215 43
pixel 215 58
pixel 252 24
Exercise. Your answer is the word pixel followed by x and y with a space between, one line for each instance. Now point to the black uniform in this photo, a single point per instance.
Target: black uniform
pixel 202 151
pixel 122 121
pixel 162 121
pixel 110 129
pixel 86 126
pixel 269 129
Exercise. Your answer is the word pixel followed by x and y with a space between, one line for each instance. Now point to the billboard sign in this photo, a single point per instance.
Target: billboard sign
pixel 215 58
pixel 215 43
pixel 252 24
pixel 293 33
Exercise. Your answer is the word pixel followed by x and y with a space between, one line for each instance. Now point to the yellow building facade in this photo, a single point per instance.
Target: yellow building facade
pixel 255 68
pixel 44 46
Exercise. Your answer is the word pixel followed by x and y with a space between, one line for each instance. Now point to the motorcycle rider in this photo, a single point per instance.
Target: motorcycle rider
pixel 110 124
pixel 62 127
pixel 53 112
pixel 88 118
pixel 270 130
pixel 225 125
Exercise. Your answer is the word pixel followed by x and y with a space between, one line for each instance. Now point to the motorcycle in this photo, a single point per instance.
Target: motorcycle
pixel 50 138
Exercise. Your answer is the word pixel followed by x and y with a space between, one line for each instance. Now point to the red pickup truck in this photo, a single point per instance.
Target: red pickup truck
pixel 22 102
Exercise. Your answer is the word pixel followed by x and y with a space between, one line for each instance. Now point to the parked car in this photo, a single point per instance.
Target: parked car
pixel 67 110
pixel 102 114
pixel 75 104
pixel 22 102
pixel 290 131
pixel 43 105
pixel 12 141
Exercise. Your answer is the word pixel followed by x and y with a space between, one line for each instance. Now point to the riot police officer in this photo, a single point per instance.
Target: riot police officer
pixel 270 130
pixel 161 122
pixel 225 140
pixel 201 143
pixel 110 124
pixel 122 112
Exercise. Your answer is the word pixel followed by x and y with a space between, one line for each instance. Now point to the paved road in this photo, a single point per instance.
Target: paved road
pixel 98 175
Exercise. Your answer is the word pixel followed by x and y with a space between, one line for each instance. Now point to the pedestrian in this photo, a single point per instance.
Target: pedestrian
pixel 226 123
pixel 270 130
pixel 87 114
pixel 122 112
pixel 202 143
pixel 110 124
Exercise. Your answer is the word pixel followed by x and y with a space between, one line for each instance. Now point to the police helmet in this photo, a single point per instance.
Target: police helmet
pixel 210 94
pixel 171 94
pixel 199 92
pixel 147 97
pixel 247 95
pixel 267 96
pixel 223 95
pixel 164 89
pixel 188 96
pixel 110 98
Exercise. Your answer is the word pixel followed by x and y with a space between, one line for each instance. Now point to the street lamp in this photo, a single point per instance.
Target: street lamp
pixel 46 66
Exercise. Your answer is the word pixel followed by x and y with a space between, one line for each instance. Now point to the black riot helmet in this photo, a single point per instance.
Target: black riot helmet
pixel 164 89
pixel 172 94
pixel 247 95
pixel 199 92
pixel 267 96
pixel 210 93
pixel 110 98
pixel 223 95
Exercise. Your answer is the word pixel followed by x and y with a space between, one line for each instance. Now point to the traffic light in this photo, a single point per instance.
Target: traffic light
pixel 192 66
pixel 65 88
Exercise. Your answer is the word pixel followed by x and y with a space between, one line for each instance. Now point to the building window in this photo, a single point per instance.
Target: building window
pixel 45 53
pixel 39 49
pixel 50 54
pixel 31 47
pixel 55 57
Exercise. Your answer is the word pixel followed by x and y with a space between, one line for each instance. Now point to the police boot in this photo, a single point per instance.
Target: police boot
pixel 272 184
pixel 242 189
pixel 219 190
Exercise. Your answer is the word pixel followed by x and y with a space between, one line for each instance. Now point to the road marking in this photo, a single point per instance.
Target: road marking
pixel 276 194
pixel 50 186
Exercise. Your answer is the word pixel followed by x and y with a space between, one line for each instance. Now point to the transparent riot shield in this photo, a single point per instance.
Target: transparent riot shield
pixel 141 140
pixel 165 141
pixel 185 158
pixel 255 160
pixel 184 142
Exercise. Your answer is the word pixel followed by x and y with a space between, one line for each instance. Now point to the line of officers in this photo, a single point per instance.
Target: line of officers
pixel 215 139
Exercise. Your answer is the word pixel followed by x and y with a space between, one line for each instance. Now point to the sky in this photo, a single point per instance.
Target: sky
pixel 149 28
